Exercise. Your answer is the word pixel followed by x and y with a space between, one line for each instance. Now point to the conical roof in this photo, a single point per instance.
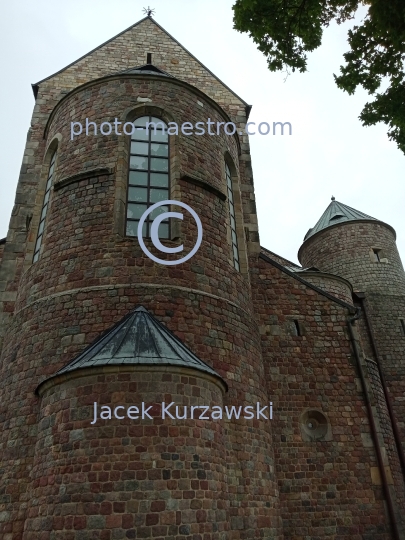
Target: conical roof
pixel 139 339
pixel 336 213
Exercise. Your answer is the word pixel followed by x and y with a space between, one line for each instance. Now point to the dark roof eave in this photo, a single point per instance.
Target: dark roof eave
pixel 281 257
pixel 307 283
pixel 113 368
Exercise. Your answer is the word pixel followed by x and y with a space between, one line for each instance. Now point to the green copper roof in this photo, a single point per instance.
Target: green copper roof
pixel 139 338
pixel 334 214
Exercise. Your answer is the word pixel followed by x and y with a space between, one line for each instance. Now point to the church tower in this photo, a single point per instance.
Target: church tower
pixel 88 317
pixel 111 351
pixel 363 250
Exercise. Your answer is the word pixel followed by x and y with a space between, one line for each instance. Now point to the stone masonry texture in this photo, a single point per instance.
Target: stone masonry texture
pixel 273 332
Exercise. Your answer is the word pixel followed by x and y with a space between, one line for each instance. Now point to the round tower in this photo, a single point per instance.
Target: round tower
pixel 362 249
pixel 86 272
pixel 357 247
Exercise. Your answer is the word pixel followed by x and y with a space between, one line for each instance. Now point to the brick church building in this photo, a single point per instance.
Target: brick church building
pixel 87 317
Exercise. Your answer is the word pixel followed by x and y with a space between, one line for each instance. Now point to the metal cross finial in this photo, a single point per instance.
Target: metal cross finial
pixel 148 11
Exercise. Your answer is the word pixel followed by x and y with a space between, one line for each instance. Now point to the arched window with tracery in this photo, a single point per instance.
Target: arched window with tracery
pixel 148 177
pixel 44 210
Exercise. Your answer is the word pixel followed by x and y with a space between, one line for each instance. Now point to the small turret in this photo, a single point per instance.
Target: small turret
pixel 357 247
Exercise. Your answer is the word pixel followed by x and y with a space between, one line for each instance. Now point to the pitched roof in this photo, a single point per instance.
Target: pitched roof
pixel 336 213
pixel 35 86
pixel 296 275
pixel 139 339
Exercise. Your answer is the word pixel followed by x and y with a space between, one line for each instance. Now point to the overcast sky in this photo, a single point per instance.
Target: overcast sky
pixel 329 152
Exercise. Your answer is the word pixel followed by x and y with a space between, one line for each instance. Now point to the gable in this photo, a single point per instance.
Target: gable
pixel 128 50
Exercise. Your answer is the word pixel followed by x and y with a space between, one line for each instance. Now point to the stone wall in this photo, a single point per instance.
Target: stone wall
pixel 346 250
pixel 329 283
pixel 324 477
pixel 2 244
pixel 129 478
pixel 64 480
pixel 127 50
pixel 89 275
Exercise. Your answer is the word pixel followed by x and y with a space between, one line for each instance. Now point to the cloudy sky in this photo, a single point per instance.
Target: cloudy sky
pixel 329 152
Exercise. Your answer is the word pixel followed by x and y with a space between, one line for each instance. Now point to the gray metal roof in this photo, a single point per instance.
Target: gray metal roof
pixel 337 213
pixel 139 339
pixel 147 69
pixel 297 269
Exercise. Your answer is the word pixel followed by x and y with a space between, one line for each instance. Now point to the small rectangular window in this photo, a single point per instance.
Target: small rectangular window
pixel 376 255
pixel 297 328
pixel 402 321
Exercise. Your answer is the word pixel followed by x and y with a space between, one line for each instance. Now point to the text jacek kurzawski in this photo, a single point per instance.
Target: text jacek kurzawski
pixel 183 412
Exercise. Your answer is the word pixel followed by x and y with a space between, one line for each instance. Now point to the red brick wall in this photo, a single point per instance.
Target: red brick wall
pixel 326 490
pixel 128 478
pixel 88 277
pixel 345 250
pixel 59 326
pixel 330 284
pixel 103 101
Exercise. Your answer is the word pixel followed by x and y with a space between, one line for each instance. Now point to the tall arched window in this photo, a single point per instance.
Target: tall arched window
pixel 148 180
pixel 44 211
pixel 234 238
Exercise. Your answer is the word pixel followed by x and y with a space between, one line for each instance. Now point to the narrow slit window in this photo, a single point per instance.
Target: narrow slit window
pixel 376 255
pixel 297 328
pixel 232 216
pixel 402 322
pixel 44 210
pixel 148 178
pixel 148 58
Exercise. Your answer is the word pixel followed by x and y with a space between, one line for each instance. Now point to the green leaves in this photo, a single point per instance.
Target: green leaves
pixel 388 107
pixel 286 30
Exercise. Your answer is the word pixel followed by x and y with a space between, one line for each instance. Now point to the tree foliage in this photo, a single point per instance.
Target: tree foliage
pixel 286 30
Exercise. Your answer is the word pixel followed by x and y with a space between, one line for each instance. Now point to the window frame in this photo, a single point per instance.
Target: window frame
pixel 45 206
pixel 232 215
pixel 376 255
pixel 148 118
pixel 297 328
